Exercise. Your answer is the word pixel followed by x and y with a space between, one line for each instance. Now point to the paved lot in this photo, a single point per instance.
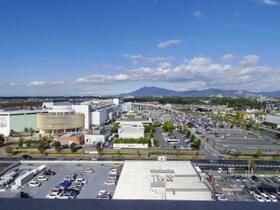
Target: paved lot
pixel 89 191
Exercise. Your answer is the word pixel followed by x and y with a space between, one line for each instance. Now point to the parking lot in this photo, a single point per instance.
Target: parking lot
pixel 247 142
pixel 94 176
pixel 230 186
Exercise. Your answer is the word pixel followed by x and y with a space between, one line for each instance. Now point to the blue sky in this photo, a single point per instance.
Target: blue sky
pixel 95 47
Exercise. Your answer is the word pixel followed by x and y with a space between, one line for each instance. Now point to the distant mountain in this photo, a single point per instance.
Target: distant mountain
pixel 156 91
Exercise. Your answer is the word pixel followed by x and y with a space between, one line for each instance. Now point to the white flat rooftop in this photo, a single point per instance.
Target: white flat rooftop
pixel 160 180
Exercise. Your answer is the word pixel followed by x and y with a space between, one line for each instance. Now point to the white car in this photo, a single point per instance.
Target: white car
pixel 259 198
pixel 266 197
pixel 220 170
pixel 55 193
pixel 103 192
pixel 273 198
pixel 81 180
pixel 34 184
pixel 113 171
pixel 110 183
pixel 88 170
pixel 42 178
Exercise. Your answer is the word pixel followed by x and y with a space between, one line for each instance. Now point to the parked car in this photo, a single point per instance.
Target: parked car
pixel 24 195
pixel 220 170
pixel 42 178
pixel 82 180
pixel 258 198
pixel 109 182
pixel 49 173
pixel 103 192
pixel 54 193
pixel 88 170
pixel 104 196
pixel 34 183
pixel 255 178
pixel 67 195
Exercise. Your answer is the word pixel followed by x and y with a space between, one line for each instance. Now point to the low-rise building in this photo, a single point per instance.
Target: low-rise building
pixel 274 119
pixel 69 138
pixel 131 129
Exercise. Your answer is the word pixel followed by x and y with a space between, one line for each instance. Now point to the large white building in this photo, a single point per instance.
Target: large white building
pixel 84 109
pixel 161 180
pixel 131 129
pixel 18 120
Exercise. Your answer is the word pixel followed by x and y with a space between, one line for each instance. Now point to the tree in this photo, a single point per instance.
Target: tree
pixel 192 138
pixel 168 126
pixel 237 154
pixel 73 147
pixel 42 147
pixel 57 146
pixel 189 133
pixel 99 147
pixel 115 128
pixel 21 141
pixel 258 154
pixel 196 144
pixel 9 149
pixel 2 140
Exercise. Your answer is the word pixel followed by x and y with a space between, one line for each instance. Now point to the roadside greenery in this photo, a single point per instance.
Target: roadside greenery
pixel 2 140
pixel 132 141
pixel 168 126
pixel 73 147
pixel 115 128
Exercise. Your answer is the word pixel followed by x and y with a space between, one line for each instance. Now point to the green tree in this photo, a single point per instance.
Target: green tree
pixel 2 140
pixel 115 128
pixel 9 149
pixel 21 141
pixel 189 133
pixel 57 146
pixel 73 147
pixel 258 154
pixel 196 144
pixel 99 147
pixel 42 147
pixel 168 126
pixel 192 138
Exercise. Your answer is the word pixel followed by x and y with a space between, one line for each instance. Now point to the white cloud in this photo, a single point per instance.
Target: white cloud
pixel 195 73
pixel 36 83
pixel 271 2
pixel 44 83
pixel 197 13
pixel 138 58
pixel 169 43
pixel 227 58
pixel 250 59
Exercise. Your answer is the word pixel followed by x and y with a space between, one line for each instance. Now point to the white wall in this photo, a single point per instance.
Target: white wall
pixel 93 139
pixel 273 119
pixel 99 117
pixel 5 125
pixel 84 109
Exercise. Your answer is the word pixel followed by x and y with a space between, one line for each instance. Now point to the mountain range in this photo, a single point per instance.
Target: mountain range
pixel 156 91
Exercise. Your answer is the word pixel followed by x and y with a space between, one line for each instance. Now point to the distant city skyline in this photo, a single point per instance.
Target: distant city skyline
pixel 105 47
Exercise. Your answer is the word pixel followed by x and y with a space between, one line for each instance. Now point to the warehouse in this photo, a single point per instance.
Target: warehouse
pixel 160 180
pixel 18 120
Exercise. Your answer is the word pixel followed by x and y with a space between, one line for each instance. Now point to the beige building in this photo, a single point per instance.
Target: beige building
pixel 60 119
